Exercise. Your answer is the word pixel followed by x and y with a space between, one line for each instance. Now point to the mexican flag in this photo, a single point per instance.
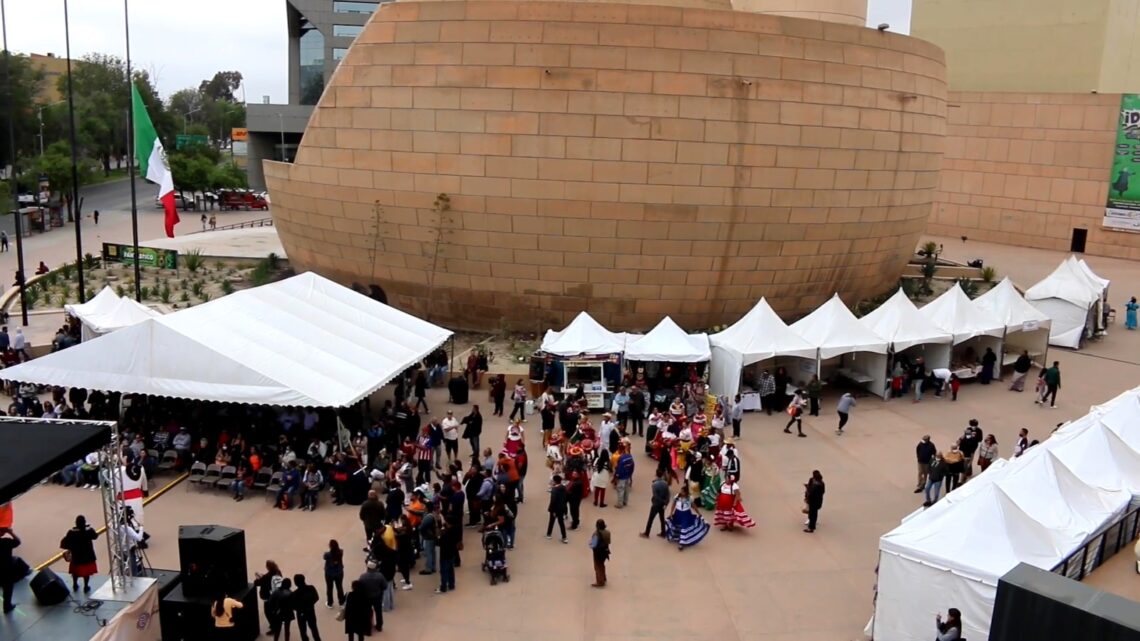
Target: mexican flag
pixel 152 160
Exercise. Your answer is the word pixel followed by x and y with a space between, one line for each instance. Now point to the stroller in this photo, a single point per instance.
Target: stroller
pixel 495 556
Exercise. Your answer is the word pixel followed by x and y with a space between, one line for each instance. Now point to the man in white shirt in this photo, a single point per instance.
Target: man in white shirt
pixel 20 345
pixel 608 426
pixel 943 376
pixel 450 426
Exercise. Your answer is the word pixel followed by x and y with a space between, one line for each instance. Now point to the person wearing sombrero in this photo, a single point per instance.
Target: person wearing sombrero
pixel 554 456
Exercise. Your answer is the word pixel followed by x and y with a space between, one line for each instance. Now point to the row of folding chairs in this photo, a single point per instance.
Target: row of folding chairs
pixel 221 476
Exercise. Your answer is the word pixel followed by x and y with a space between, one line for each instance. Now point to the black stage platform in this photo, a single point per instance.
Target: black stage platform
pixel 64 622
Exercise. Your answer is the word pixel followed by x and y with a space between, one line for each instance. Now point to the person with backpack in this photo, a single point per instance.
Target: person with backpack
pixel 266 584
pixel 304 602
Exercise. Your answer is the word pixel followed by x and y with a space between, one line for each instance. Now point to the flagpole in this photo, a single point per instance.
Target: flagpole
pixel 74 159
pixel 131 154
pixel 20 279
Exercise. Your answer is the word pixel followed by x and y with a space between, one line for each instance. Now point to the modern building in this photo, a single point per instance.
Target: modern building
pixel 53 67
pixel 320 33
pixel 484 162
pixel 1032 126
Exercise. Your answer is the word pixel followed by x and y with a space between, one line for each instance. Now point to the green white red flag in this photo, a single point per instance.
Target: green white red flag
pixel 152 160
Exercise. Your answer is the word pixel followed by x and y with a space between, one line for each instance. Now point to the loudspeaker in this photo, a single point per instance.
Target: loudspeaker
pixel 49 588
pixel 211 558
pixel 188 618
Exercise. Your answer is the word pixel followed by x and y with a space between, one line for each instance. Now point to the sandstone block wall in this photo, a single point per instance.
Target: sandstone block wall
pixel 633 161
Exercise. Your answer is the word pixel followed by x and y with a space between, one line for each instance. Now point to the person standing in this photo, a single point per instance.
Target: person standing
pixel 730 510
pixel 450 531
pixel 600 546
pixel 1022 443
pixel 3 241
pixel 813 496
pixel 79 552
pixel 1021 369
pixel 419 387
pixel 498 393
pixel 951 628
pixel 1129 308
pixel 557 508
pixel 575 491
pixel 737 415
pixel 989 361
pixel 8 543
pixel 266 584
pixel 987 452
pixel 357 613
pixel 374 585
pixel 1051 378
pixel 305 599
pixel 223 612
pixel 623 474
pixel 518 397
pixel 204 221
pixel 796 413
pixel 429 536
pixel 843 409
pixel 684 525
pixel 371 514
pixel 334 573
pixel 767 390
pixel 924 452
pixel 937 471
pixel 450 427
pixel 601 477
pixel 814 391
pixel 473 428
pixel 637 410
pixel 280 605
pixel 658 500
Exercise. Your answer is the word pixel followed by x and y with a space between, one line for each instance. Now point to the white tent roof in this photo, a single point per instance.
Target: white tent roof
pixel 1005 303
pixel 900 322
pixel 835 330
pixel 583 335
pixel 108 311
pixel 303 341
pixel 761 334
pixel 668 343
pixel 1104 282
pixel 954 312
pixel 1069 282
pixel 1098 455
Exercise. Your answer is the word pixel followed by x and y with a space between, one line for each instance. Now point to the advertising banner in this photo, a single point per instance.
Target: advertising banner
pixel 148 256
pixel 136 622
pixel 1122 212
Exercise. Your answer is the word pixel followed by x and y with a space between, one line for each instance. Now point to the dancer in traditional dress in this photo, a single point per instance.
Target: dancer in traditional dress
pixel 710 484
pixel 684 526
pixel 515 437
pixel 729 508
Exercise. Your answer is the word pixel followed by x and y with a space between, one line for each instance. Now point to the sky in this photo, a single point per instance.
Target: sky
pixel 182 43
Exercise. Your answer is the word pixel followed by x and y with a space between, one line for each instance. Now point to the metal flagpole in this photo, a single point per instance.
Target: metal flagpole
pixel 74 159
pixel 20 279
pixel 131 153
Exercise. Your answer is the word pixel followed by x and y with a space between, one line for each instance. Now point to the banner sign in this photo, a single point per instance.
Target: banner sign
pixel 148 256
pixel 136 622
pixel 182 141
pixel 1122 212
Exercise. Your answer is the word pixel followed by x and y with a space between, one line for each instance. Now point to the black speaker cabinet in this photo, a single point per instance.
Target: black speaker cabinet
pixel 188 618
pixel 1035 605
pixel 49 588
pixel 211 557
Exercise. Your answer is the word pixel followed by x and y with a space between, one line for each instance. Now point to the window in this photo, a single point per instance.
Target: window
pixel 338 53
pixel 346 30
pixel 355 7
pixel 312 71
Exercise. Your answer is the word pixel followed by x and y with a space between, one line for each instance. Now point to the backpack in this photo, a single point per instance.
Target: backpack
pixel 284 505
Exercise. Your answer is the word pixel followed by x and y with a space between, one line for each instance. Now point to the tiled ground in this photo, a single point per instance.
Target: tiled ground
pixel 773 583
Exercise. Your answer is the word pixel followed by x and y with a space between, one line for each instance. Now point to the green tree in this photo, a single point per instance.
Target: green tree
pixel 55 163
pixel 228 176
pixel 221 87
pixel 26 83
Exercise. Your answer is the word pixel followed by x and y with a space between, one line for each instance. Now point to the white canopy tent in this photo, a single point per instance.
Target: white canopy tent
pixel 973 329
pixel 900 322
pixel 862 353
pixel 760 335
pixel 107 312
pixel 1036 509
pixel 1072 300
pixel 1026 327
pixel 1103 282
pixel 668 343
pixel 583 335
pixel 303 341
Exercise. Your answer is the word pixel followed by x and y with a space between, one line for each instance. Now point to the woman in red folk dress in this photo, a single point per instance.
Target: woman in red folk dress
pixel 729 508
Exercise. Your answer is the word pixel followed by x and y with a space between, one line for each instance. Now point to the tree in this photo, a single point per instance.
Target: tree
pixel 26 82
pixel 221 87
pixel 228 176
pixel 55 163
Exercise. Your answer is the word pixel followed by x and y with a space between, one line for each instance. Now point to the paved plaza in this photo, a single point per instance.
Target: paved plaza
pixel 771 583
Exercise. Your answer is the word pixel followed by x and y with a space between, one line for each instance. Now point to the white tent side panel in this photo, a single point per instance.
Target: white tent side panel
pixel 724 371
pixel 924 590
pixel 1069 321
pixel 935 355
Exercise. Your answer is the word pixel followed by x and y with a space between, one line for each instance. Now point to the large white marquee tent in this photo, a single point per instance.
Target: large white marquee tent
pixel 900 322
pixel 668 343
pixel 1026 327
pixel 1037 509
pixel 973 329
pixel 851 349
pixel 583 335
pixel 760 335
pixel 107 312
pixel 1072 296
pixel 303 341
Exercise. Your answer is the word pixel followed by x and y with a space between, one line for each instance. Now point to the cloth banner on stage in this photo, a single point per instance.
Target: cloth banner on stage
pixel 136 622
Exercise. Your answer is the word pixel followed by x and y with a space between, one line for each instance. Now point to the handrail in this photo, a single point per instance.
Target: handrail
pixel 1099 548
pixel 260 222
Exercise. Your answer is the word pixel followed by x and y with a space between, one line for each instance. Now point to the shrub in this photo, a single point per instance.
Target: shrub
pixel 164 294
pixel 197 287
pixel 989 274
pixel 90 261
pixel 260 274
pixel 205 297
pixel 65 271
pixel 193 260
pixel 968 286
pixel 31 297
pixel 120 291
pixel 273 260
pixel 227 287
pixel 185 297
pixel 144 292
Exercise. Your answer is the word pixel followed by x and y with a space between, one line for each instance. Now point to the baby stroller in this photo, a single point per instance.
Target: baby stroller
pixel 495 556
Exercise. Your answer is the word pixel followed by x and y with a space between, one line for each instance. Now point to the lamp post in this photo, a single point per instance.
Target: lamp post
pixel 41 115
pixel 186 118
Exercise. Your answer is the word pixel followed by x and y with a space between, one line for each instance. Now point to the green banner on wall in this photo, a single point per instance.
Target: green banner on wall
pixel 1122 211
pixel 148 256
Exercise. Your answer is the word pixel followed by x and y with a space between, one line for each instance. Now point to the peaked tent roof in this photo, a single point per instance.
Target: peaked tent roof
pixel 1068 282
pixel 1098 455
pixel 108 311
pixel 761 334
pixel 583 335
pixel 835 330
pixel 303 341
pixel 1083 264
pixel 668 343
pixel 900 322
pixel 954 312
pixel 99 304
pixel 1007 305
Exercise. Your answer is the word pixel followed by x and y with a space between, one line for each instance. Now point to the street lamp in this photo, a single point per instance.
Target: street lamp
pixel 41 114
pixel 186 118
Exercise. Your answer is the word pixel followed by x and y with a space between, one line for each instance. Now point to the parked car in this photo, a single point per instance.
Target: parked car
pixel 180 202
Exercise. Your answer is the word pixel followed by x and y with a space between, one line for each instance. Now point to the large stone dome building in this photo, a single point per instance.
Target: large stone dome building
pixel 521 161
